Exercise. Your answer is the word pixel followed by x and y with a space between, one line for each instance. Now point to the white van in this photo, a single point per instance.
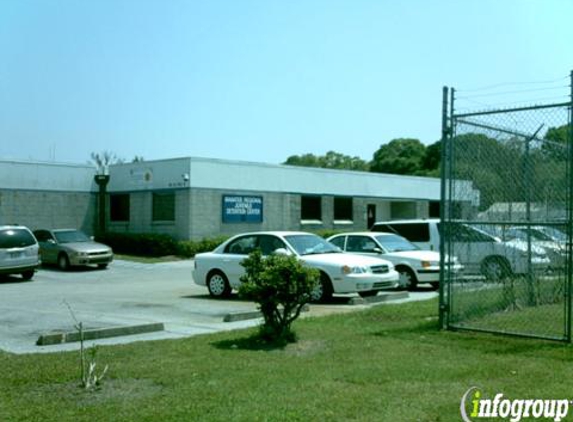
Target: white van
pixel 18 251
pixel 478 251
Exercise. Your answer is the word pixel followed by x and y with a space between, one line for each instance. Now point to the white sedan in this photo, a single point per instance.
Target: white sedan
pixel 413 264
pixel 221 269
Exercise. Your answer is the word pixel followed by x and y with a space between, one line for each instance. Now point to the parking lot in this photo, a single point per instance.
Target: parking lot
pixel 126 294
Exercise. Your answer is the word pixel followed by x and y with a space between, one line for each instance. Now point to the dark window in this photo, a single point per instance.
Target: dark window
pixel 338 241
pixel 16 238
pixel 268 244
pixel 434 211
pixel 360 244
pixel 414 232
pixel 310 208
pixel 242 246
pixel 43 235
pixel 343 209
pixel 163 207
pixel 119 207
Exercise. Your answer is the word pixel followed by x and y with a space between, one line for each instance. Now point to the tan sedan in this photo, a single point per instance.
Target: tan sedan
pixel 70 247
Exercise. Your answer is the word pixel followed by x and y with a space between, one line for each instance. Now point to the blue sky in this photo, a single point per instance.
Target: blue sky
pixel 261 80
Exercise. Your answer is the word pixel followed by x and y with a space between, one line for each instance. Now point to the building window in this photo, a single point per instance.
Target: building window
pixel 163 207
pixel 434 209
pixel 343 209
pixel 119 207
pixel 310 208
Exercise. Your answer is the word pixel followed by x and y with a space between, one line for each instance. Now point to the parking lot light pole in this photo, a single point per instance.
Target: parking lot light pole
pixel 101 180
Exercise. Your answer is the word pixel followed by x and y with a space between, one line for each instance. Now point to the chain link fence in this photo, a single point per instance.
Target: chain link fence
pixel 513 238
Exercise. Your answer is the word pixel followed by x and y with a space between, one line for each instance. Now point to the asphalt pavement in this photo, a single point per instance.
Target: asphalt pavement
pixel 124 295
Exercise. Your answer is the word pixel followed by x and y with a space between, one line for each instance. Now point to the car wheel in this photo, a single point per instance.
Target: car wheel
pixel 63 262
pixel 408 280
pixel 102 266
pixel 27 275
pixel 495 268
pixel 368 293
pixel 218 284
pixel 435 285
pixel 323 290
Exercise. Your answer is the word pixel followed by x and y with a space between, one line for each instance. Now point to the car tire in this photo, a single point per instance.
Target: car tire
pixel 27 275
pixel 63 262
pixel 495 268
pixel 323 290
pixel 218 285
pixel 408 279
pixel 435 285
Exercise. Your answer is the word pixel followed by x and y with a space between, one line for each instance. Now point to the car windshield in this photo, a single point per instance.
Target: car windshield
pixel 71 236
pixel 310 244
pixel 554 233
pixel 393 243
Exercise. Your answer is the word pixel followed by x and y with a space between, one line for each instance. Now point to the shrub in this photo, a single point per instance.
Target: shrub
pixel 189 248
pixel 153 244
pixel 142 244
pixel 281 285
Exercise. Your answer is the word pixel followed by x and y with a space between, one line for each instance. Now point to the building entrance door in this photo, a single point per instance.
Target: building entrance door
pixel 370 215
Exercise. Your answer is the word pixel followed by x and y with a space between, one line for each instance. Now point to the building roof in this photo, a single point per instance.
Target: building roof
pixel 229 175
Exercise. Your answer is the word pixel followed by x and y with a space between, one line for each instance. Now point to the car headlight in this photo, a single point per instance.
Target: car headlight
pixel 427 264
pixel 354 270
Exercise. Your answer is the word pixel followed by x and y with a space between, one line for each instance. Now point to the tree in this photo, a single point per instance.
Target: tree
pixel 332 160
pixel 432 159
pixel 102 160
pixel 555 143
pixel 281 285
pixel 399 156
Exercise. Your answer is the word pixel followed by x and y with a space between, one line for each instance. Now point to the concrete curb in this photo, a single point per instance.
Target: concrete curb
pixel 373 300
pixel 59 338
pixel 379 298
pixel 242 316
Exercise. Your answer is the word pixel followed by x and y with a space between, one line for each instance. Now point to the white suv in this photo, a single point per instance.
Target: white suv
pixel 18 251
pixel 478 251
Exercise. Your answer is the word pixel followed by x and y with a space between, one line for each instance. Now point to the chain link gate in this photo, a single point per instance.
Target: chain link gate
pixel 507 213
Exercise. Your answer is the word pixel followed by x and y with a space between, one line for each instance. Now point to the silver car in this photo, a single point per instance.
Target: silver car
pixel 18 251
pixel 70 247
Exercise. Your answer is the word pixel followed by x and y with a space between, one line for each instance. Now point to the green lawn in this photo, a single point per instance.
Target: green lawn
pixel 385 364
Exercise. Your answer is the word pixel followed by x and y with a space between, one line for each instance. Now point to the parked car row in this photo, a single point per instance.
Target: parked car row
pixel 23 251
pixel 360 262
pixel 487 249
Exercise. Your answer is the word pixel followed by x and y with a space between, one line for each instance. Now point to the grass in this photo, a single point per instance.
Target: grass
pixel 515 306
pixel 389 363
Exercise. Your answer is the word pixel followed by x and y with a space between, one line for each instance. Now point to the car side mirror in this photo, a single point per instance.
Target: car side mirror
pixel 378 250
pixel 281 251
pixel 51 241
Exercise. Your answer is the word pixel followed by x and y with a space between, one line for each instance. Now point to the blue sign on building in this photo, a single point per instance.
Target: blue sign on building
pixel 242 209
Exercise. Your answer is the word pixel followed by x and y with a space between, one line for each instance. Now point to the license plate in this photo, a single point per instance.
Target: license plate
pixel 14 255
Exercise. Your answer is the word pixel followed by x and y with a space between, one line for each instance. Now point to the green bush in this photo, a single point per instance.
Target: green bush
pixel 154 245
pixel 142 244
pixel 189 248
pixel 281 285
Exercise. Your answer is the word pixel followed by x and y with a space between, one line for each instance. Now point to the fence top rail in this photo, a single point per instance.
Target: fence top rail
pixel 512 110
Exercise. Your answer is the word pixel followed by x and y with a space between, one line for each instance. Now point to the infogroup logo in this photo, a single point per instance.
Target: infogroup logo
pixel 512 410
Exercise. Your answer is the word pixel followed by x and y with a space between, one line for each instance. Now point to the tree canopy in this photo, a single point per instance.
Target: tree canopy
pixel 332 160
